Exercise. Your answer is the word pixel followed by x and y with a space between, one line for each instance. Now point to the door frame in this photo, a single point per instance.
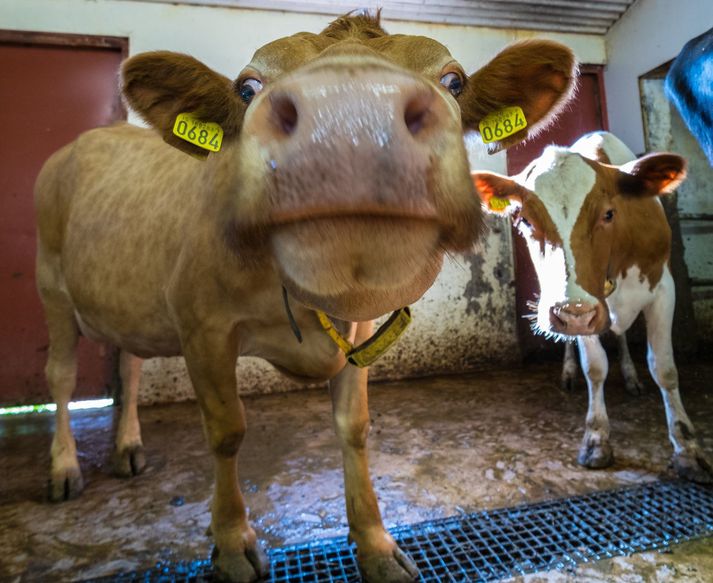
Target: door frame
pixel 71 40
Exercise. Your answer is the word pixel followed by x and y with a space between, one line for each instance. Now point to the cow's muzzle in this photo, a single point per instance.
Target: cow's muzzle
pixel 575 318
pixel 351 140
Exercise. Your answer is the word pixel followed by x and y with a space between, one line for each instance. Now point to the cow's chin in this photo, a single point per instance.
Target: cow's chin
pixel 357 268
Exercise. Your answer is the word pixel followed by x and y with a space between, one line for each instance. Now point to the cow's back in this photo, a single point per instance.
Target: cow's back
pixel 115 208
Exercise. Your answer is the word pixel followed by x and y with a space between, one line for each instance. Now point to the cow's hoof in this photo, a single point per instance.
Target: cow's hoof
pixel 693 466
pixel 595 456
pixel 241 567
pixel 65 485
pixel 129 462
pixel 394 568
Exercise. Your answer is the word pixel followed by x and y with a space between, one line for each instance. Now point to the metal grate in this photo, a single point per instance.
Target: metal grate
pixel 491 545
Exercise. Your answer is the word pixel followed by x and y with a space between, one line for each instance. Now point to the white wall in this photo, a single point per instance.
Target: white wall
pixel 649 34
pixel 467 319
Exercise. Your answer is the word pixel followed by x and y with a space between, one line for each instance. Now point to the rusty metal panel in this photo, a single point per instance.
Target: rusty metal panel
pixel 48 95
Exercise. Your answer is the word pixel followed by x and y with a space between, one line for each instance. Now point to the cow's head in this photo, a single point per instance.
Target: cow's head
pixel 580 219
pixel 344 161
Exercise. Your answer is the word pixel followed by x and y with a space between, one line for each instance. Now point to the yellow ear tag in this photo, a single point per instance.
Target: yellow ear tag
pixel 204 134
pixel 501 124
pixel 498 203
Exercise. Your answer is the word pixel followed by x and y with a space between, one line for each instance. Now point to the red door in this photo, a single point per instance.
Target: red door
pixel 49 93
pixel 586 113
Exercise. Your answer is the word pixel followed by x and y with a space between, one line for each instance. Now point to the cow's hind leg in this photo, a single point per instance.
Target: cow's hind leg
pixel 569 367
pixel 379 557
pixel 595 451
pixel 65 480
pixel 211 358
pixel 628 370
pixel 688 458
pixel 129 459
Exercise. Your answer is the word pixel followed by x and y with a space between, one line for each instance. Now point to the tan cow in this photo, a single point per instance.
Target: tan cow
pixel 342 179
pixel 600 243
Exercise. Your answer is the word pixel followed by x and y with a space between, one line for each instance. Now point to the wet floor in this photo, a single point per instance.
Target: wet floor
pixel 438 447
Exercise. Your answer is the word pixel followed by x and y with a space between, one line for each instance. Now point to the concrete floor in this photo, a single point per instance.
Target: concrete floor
pixel 438 447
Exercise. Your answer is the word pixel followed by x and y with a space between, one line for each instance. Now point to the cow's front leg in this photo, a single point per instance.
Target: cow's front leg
pixel 380 559
pixel 129 459
pixel 688 458
pixel 595 451
pixel 211 358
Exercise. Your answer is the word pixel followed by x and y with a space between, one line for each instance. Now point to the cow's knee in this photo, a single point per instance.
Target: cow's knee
pixel 666 377
pixel 596 372
pixel 225 440
pixel 351 431
pixel 61 375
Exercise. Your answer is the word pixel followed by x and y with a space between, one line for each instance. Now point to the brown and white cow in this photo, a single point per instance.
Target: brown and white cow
pixel 600 243
pixel 343 178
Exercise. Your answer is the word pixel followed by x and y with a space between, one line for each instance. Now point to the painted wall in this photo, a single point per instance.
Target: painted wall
pixel 467 319
pixel 649 34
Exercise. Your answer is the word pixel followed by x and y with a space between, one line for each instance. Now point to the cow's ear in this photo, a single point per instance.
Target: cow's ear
pixel 652 175
pixel 161 85
pixel 536 75
pixel 499 194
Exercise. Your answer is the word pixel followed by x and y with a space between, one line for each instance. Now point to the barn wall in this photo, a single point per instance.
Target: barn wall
pixel 467 319
pixel 666 131
pixel 649 34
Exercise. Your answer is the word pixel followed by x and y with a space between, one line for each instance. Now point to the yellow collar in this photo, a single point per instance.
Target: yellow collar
pixel 372 349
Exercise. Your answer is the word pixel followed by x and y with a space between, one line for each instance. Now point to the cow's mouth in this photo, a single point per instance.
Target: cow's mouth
pixel 570 319
pixel 357 267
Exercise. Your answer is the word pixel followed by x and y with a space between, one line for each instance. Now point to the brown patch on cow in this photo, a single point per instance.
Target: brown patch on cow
pixel 642 238
pixel 592 242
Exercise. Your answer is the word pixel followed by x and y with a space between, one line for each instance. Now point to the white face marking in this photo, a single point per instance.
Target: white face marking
pixel 562 181
pixel 633 292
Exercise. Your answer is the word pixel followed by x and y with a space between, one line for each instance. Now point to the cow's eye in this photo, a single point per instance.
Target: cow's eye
pixel 609 216
pixel 453 83
pixel 249 88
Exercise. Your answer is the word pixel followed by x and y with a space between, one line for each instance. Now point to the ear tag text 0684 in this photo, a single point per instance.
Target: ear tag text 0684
pixel 204 134
pixel 501 124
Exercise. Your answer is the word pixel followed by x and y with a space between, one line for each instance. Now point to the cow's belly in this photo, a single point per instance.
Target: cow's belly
pixel 633 293
pixel 121 300
pixel 139 339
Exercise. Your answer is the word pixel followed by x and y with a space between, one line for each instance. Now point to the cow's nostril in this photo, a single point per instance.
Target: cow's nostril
pixel 285 113
pixel 416 113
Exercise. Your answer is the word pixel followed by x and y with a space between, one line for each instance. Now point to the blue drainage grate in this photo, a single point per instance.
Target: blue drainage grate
pixel 491 545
